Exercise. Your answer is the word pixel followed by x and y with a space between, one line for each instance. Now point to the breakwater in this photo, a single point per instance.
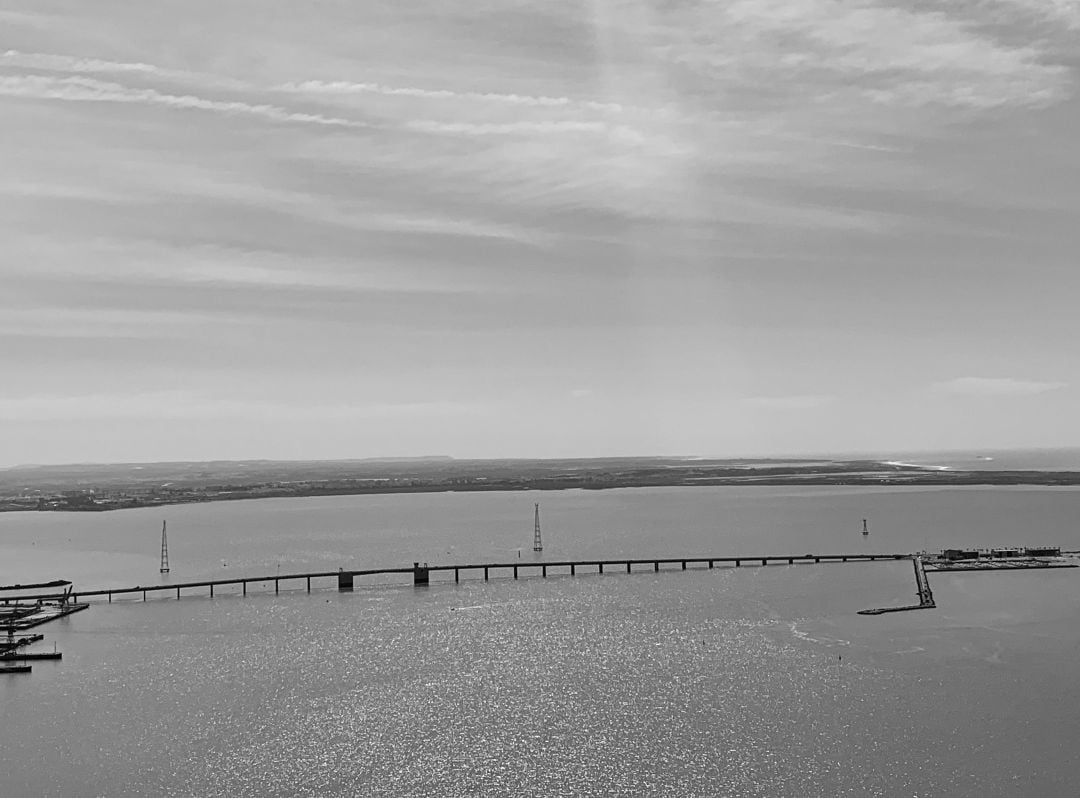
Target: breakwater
pixel 922 587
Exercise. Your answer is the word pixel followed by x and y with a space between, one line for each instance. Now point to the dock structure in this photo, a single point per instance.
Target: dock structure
pixel 27 617
pixel 30 655
pixel 967 566
pixel 10 652
pixel 422 573
pixel 12 644
pixel 922 588
pixel 24 606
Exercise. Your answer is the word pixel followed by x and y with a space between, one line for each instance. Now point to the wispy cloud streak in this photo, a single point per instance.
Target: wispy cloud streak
pixel 58 62
pixel 996 386
pixel 339 87
pixel 79 89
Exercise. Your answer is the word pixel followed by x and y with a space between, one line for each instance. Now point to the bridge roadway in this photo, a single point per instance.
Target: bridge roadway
pixel 422 572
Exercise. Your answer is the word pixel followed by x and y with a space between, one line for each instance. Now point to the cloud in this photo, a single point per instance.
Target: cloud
pixel 995 386
pixel 66 63
pixel 1055 12
pixel 79 89
pixel 177 405
pixel 58 62
pixel 68 322
pixel 147 263
pixel 796 402
pixel 342 87
pixel 832 52
pixel 542 127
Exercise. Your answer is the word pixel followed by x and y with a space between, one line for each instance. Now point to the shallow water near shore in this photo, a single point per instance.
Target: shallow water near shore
pixel 750 681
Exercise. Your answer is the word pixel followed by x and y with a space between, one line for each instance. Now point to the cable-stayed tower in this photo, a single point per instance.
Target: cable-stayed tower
pixel 164 550
pixel 537 543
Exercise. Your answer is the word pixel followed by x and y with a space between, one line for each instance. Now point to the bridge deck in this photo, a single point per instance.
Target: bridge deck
pixel 421 572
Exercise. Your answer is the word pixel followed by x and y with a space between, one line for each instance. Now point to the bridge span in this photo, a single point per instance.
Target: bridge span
pixel 422 572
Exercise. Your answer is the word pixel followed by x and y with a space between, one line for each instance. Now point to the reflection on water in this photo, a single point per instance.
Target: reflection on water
pixel 756 681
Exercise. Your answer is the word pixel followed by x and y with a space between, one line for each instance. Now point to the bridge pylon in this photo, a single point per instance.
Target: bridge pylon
pixel 538 544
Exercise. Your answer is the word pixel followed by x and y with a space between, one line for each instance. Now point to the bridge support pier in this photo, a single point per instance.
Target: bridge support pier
pixel 211 591
pixel 457 575
pixel 684 565
pixel 738 563
pixel 601 567
pixel 344 580
pixel 515 572
pixel 543 571
pixel 421 574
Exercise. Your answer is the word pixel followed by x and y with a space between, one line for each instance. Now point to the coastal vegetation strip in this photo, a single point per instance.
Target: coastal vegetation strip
pixel 97 488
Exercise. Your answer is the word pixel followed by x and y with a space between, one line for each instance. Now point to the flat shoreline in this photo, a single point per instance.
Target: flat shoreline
pixel 110 488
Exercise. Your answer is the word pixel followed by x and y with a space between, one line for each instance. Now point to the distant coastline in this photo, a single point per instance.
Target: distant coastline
pixel 103 488
pixel 916 465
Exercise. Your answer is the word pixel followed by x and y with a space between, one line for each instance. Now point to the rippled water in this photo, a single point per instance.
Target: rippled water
pixel 756 681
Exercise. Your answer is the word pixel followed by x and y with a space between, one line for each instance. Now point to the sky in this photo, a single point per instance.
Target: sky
pixel 240 229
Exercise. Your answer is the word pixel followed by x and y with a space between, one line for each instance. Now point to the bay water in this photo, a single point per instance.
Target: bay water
pixel 749 681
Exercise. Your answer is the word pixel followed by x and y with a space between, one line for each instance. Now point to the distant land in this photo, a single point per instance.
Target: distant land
pixel 97 488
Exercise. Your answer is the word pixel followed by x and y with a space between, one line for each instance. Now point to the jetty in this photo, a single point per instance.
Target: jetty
pixel 922 587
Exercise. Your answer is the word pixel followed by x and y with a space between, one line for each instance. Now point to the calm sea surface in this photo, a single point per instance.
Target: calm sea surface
pixel 748 682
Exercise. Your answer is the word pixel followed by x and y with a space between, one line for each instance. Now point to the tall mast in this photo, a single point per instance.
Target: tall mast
pixel 537 544
pixel 164 550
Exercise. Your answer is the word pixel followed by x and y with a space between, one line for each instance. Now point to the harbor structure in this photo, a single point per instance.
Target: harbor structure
pixel 1002 553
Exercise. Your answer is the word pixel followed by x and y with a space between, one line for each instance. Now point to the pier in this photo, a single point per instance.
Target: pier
pixel 13 644
pixel 10 652
pixel 422 573
pixel 51 608
pixel 922 587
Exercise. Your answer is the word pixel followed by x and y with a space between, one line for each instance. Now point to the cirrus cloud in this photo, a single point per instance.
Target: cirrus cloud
pixel 996 386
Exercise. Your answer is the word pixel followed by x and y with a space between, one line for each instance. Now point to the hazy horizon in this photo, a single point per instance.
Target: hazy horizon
pixel 565 229
pixel 808 456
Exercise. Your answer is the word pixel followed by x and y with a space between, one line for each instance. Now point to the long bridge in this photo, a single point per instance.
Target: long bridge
pixel 422 572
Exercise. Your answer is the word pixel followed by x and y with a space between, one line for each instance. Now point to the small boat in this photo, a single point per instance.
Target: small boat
pixel 865 528
pixel 16 669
